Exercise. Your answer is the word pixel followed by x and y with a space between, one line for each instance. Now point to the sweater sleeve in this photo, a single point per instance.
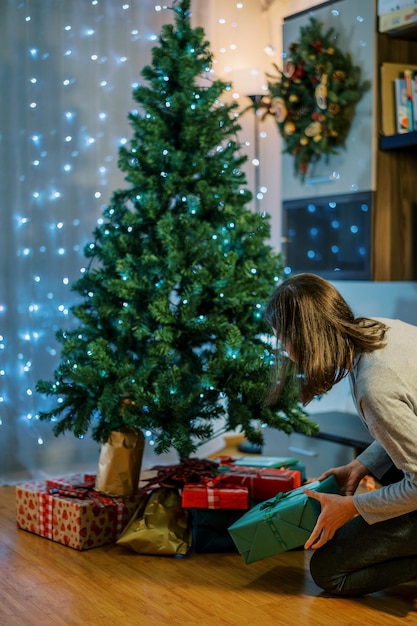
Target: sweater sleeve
pixel 389 501
pixel 386 407
pixel 375 459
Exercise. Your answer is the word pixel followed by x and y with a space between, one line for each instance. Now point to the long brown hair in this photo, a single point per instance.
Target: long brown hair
pixel 308 314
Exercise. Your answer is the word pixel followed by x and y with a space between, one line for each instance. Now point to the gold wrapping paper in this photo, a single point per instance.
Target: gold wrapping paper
pixel 160 527
pixel 120 463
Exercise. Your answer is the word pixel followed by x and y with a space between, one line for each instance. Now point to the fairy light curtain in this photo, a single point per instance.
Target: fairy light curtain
pixel 67 71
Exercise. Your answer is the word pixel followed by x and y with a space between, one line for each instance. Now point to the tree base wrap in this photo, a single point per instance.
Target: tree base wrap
pixel 70 512
pixel 281 524
pixel 262 482
pixel 160 526
pixel 120 463
pixel 209 530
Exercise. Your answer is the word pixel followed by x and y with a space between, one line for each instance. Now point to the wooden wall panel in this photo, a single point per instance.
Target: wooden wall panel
pixel 394 215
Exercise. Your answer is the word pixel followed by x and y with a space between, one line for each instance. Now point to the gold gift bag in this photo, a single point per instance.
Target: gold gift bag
pixel 120 462
pixel 160 527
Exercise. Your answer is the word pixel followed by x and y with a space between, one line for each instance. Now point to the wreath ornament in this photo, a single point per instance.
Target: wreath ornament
pixel 314 96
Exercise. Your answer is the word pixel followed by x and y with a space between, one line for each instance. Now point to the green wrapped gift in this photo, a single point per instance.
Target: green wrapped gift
pixel 282 523
pixel 266 461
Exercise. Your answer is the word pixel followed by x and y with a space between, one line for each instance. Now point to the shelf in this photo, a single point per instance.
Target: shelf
pixel 405 32
pixel 401 23
pixel 400 141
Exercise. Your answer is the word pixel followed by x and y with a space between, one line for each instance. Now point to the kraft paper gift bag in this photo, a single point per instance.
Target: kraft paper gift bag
pixel 280 524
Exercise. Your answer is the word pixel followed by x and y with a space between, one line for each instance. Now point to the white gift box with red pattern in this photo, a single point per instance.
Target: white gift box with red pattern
pixel 71 512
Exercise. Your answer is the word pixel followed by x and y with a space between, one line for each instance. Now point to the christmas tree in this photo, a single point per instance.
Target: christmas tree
pixel 170 336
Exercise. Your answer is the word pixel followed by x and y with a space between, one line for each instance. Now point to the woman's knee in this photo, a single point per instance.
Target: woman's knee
pixel 327 576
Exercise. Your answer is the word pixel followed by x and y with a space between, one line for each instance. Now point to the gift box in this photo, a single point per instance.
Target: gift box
pixel 259 461
pixel 191 470
pixel 159 526
pixel 279 524
pixel 262 482
pixel 71 512
pixel 216 493
pixel 266 461
pixel 272 462
pixel 210 530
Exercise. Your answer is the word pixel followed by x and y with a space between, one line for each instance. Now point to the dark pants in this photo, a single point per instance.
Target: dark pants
pixel 363 558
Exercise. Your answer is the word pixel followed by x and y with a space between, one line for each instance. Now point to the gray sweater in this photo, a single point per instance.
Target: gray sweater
pixel 384 388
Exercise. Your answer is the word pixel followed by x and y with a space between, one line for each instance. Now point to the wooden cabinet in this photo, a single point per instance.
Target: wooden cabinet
pixel 394 239
pixel 315 454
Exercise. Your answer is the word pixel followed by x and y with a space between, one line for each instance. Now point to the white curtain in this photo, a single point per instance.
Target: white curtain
pixel 67 71
pixel 67 68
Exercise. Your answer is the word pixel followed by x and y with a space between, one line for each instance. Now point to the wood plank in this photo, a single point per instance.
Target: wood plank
pixel 394 222
pixel 45 583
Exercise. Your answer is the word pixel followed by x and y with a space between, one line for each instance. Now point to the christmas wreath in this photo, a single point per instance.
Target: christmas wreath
pixel 314 96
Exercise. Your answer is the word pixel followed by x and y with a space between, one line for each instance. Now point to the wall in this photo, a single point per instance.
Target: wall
pixel 351 169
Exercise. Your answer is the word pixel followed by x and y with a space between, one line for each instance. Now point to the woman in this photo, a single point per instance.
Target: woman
pixel 368 541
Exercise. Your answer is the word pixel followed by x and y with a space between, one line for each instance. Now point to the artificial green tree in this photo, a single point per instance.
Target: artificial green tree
pixel 170 335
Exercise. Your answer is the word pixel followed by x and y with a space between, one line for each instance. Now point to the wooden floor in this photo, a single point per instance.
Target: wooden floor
pixel 43 583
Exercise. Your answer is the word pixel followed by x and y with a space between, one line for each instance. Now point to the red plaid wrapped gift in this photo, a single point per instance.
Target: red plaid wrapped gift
pixel 190 470
pixel 216 493
pixel 71 512
pixel 262 482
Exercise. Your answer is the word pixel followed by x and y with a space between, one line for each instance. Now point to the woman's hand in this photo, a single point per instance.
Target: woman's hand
pixel 348 476
pixel 335 512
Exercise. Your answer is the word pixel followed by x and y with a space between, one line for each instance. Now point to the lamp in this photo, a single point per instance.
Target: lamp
pixel 258 103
